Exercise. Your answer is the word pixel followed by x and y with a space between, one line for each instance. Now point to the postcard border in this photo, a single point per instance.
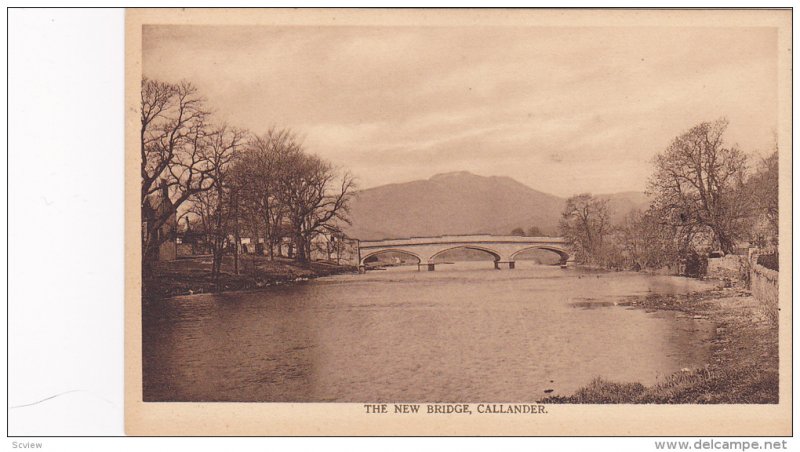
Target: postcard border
pixel 334 419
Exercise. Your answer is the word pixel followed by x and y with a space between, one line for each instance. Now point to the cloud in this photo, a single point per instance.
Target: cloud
pixel 563 110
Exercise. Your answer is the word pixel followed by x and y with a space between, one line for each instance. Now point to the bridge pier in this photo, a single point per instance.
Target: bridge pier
pixel 431 267
pixel 510 264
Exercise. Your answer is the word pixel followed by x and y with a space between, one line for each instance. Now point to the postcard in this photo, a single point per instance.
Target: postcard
pixel 558 222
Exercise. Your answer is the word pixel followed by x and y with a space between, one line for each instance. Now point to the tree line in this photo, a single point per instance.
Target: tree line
pixel 533 231
pixel 232 181
pixel 706 196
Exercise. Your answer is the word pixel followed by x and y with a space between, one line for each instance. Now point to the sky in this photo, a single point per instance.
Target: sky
pixel 562 110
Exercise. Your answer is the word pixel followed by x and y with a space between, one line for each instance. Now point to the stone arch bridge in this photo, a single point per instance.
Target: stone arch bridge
pixel 504 248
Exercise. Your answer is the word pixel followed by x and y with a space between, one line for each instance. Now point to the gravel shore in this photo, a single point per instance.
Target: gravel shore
pixel 743 367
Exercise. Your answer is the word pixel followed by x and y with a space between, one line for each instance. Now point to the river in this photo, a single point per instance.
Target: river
pixel 463 333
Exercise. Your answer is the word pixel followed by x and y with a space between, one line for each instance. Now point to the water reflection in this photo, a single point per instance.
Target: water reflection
pixel 464 333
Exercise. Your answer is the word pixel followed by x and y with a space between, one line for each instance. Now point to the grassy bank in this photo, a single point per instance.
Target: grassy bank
pixel 193 275
pixel 743 367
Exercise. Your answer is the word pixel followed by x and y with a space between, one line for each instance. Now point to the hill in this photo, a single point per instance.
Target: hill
pixel 462 203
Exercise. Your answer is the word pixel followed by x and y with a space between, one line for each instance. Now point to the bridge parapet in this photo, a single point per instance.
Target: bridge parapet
pixel 454 239
pixel 426 249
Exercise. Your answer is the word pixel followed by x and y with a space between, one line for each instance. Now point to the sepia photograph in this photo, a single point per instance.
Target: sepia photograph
pixel 521 216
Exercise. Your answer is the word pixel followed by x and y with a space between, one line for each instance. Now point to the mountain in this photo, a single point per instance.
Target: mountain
pixel 461 203
pixel 619 204
pixel 451 203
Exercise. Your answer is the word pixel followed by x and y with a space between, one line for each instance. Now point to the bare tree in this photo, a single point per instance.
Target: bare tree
pixel 316 199
pixel 267 158
pixel 585 225
pixel 174 162
pixel 699 183
pixel 764 187
pixel 644 242
pixel 204 207
pixel 534 231
pixel 235 189
pixel 214 205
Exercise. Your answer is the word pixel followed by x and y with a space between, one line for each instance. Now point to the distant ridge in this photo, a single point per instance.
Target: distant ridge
pixel 460 202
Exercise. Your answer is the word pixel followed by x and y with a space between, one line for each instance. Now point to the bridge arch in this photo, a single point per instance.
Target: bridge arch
pixel 390 250
pixel 504 249
pixel 495 254
pixel 562 253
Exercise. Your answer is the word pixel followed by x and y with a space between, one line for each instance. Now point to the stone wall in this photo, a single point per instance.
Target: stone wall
pixel 764 287
pixel 762 281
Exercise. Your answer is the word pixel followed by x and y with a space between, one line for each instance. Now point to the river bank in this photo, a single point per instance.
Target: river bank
pixel 192 275
pixel 743 367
